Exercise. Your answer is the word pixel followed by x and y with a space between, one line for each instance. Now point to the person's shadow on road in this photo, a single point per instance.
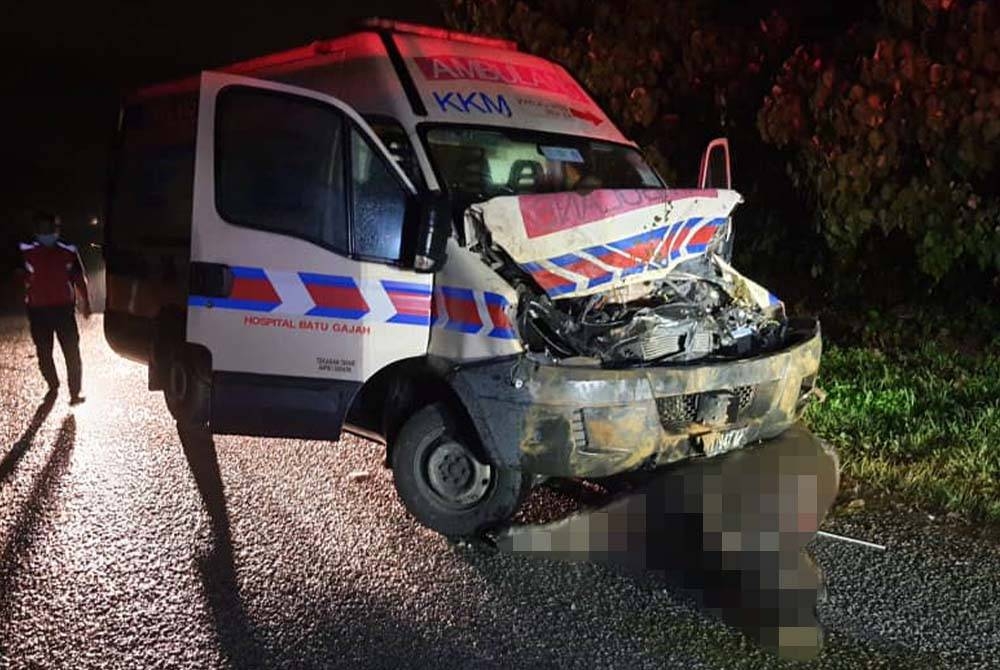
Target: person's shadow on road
pixel 238 637
pixel 26 527
pixel 19 448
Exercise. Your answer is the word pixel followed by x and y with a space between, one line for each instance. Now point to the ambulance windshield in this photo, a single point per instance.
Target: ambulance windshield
pixel 483 163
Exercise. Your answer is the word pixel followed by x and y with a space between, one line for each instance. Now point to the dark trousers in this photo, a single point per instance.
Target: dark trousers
pixel 61 322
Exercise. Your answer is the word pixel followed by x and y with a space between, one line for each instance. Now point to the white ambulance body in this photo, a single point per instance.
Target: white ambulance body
pixel 443 243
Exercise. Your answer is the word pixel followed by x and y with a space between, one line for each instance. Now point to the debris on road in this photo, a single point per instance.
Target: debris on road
pixel 844 538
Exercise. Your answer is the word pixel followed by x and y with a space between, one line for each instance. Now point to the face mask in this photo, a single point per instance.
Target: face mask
pixel 49 239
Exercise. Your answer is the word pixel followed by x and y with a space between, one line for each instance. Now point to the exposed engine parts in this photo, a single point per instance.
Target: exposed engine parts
pixel 660 311
pixel 695 312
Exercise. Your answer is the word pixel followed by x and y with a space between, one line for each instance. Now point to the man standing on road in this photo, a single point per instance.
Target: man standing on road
pixel 53 280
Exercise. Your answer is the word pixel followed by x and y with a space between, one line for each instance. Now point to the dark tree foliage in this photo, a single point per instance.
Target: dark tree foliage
pixel 865 135
pixel 895 130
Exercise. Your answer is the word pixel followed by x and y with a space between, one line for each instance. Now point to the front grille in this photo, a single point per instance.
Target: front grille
pixel 746 395
pixel 677 409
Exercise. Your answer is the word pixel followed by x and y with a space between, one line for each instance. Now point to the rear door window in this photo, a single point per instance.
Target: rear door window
pixel 152 184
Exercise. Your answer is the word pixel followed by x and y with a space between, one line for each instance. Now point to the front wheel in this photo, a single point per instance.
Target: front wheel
pixel 446 482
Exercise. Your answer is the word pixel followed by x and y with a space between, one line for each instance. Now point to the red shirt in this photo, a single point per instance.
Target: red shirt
pixel 52 274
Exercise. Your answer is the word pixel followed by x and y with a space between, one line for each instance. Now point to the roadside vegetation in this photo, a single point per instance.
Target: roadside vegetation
pixel 922 425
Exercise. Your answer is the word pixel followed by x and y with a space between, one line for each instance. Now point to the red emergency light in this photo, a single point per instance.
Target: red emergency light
pixel 438 33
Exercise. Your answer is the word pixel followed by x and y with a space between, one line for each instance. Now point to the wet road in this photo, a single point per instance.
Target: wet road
pixel 123 546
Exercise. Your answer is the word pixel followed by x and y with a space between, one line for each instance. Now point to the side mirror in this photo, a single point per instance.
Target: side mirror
pixel 715 169
pixel 433 231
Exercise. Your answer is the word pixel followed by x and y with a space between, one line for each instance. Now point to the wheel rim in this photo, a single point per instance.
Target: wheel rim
pixel 454 475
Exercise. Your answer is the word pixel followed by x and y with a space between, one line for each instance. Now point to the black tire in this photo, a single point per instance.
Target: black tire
pixel 438 469
pixel 187 387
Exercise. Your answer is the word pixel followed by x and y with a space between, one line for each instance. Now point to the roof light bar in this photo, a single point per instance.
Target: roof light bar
pixel 438 33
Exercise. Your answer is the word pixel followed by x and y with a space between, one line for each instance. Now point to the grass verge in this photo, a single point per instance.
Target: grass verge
pixel 922 425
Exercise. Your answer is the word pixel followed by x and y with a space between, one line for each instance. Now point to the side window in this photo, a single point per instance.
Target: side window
pixel 279 165
pixel 378 203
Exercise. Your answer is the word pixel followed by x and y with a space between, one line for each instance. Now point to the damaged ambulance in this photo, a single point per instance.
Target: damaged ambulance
pixel 442 243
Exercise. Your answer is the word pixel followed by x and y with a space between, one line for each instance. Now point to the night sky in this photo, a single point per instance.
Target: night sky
pixel 66 64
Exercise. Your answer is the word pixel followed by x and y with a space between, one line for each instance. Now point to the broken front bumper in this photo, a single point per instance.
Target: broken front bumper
pixel 567 421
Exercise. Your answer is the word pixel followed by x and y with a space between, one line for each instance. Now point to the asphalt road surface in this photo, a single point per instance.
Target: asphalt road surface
pixel 122 547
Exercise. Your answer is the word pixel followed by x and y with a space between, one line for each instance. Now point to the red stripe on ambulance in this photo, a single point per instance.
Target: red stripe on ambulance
pixel 259 290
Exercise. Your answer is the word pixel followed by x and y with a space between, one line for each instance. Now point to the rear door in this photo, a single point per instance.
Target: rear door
pixel 299 222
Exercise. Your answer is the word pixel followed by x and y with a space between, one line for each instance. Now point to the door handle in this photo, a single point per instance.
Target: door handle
pixel 213 280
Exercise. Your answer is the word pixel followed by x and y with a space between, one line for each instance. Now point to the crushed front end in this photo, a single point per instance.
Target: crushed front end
pixel 641 345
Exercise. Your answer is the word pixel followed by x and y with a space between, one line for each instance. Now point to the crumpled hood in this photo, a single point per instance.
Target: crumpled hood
pixel 580 243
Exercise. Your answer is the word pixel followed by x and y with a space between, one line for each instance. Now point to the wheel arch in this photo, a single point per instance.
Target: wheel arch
pixel 397 391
